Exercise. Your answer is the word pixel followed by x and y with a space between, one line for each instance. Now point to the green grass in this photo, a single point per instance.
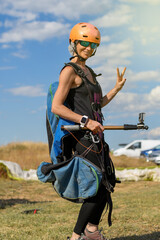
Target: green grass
pixel 136 212
pixel 141 168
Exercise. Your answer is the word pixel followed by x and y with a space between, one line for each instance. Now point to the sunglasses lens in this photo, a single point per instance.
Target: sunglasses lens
pixel 84 43
pixel 93 45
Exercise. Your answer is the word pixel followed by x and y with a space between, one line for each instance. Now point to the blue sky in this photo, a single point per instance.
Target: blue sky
pixel 34 48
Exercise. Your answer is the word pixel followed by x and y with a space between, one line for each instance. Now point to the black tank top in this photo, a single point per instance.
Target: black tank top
pixel 78 99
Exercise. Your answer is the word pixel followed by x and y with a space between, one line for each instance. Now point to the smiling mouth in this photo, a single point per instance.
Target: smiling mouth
pixel 87 53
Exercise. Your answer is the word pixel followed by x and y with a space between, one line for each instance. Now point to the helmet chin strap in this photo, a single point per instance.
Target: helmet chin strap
pixel 77 55
pixel 80 58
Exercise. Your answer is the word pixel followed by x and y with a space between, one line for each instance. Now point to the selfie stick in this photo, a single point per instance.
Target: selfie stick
pixel 140 125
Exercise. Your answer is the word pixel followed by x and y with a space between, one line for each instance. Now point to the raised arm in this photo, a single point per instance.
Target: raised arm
pixel 119 85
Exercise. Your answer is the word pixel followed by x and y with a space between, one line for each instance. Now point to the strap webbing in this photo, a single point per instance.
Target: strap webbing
pixel 83 76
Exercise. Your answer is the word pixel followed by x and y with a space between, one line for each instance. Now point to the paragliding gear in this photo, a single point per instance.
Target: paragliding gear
pixel 85 32
pixel 86 44
pixel 76 172
pixel 84 94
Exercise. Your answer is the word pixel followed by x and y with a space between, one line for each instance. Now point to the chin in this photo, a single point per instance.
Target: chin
pixel 86 57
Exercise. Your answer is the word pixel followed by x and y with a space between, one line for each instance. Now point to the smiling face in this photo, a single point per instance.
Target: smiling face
pixel 84 52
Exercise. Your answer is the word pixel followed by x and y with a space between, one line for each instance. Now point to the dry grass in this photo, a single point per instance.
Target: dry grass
pixel 29 155
pixel 136 204
pixel 131 162
pixel 135 214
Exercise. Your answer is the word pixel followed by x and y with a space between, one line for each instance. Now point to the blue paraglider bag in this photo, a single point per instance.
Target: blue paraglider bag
pixel 73 178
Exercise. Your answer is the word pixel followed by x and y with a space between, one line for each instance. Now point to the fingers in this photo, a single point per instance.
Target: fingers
pixel 123 81
pixel 95 126
pixel 98 129
pixel 120 75
pixel 123 71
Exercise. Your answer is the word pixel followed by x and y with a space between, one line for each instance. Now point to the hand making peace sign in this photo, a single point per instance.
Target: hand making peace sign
pixel 120 80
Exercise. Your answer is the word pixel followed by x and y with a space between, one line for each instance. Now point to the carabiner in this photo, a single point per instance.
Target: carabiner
pixel 95 138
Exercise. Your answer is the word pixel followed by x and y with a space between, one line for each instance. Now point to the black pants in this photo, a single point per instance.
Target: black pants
pixel 91 210
pixel 93 207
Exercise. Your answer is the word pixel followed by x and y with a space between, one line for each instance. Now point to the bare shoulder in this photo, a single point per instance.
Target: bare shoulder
pixel 67 76
pixel 68 71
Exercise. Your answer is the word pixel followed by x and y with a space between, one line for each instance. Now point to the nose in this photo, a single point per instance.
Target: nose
pixel 89 47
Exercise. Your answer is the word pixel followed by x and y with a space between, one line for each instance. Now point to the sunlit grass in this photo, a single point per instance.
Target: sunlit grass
pixel 135 215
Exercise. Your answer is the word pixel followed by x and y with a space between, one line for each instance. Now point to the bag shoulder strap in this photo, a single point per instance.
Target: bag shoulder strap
pixel 93 73
pixel 78 70
pixel 81 74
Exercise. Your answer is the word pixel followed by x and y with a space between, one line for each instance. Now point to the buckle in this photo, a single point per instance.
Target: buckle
pixel 95 106
pixel 95 138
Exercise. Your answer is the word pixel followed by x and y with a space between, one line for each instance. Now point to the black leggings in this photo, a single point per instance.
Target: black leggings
pixel 91 210
pixel 93 207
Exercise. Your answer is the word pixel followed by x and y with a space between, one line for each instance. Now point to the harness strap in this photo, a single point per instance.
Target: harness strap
pixel 98 152
pixel 105 180
pixel 94 105
pixel 87 150
pixel 82 75
pixel 110 207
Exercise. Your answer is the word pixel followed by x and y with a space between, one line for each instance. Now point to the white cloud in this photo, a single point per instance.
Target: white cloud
pixel 19 55
pixel 28 91
pixel 150 134
pixel 154 96
pixel 148 33
pixel 21 15
pixel 63 8
pixel 151 2
pixel 145 28
pixel 154 132
pixel 105 39
pixel 144 76
pixel 5 46
pixel 133 102
pixel 34 31
pixel 120 16
pixel 109 75
pixel 42 108
pixel 6 68
pixel 113 53
pixel 27 25
pixel 8 24
pixel 110 57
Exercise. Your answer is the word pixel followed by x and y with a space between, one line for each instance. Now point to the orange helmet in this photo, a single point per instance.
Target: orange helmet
pixel 85 32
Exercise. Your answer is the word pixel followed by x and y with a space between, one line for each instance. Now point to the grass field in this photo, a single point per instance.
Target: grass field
pixel 136 213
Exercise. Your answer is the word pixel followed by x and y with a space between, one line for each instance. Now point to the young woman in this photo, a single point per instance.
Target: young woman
pixel 84 40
